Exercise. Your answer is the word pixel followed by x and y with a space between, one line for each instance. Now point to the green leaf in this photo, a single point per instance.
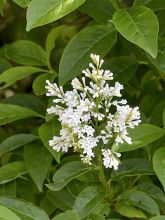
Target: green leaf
pixel 4 64
pixel 12 171
pixel 8 189
pixel 140 200
pixel 152 4
pixel 26 52
pixel 161 217
pixel 40 81
pixel 141 135
pixel 123 67
pixel 1 7
pixel 22 3
pixel 87 201
pixel 102 11
pixel 128 211
pixel 10 113
pixel 46 133
pixel 27 101
pixel 12 75
pixel 76 56
pixel 69 215
pixel 51 38
pixel 15 141
pixel 6 214
pixel 159 61
pixel 159 165
pixel 38 161
pixel 138 25
pixel 133 167
pixel 25 209
pixel 164 117
pixel 49 11
pixel 66 173
pixel 61 199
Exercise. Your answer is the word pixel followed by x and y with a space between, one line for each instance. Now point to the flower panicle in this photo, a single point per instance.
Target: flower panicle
pixel 92 115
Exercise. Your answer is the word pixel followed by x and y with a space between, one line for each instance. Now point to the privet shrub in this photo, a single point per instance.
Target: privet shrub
pixel 82 109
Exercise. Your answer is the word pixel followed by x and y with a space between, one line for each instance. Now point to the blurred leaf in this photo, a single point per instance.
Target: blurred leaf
pixel 26 52
pixel 22 3
pixel 141 135
pixel 38 161
pixel 66 173
pixel 12 75
pixel 133 167
pixel 140 200
pixel 47 205
pixel 40 82
pixel 46 133
pixel 6 214
pixel 135 25
pixel 4 64
pixel 87 201
pixel 128 210
pixel 24 209
pixel 61 199
pixel 123 67
pixel 41 12
pixel 152 4
pixel 161 217
pixel 159 61
pixel 69 215
pixel 12 171
pixel 157 114
pixel 8 189
pixel 15 141
pixel 93 39
pixel 159 165
pixel 102 11
pixel 10 113
pixel 27 101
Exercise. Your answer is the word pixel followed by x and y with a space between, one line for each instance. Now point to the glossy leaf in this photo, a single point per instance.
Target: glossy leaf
pixel 15 141
pixel 61 199
pixel 87 201
pixel 135 25
pixel 142 135
pixel 10 113
pixel 66 173
pixel 129 211
pixel 49 11
pixel 159 164
pixel 133 167
pixel 25 209
pixel 12 171
pixel 26 52
pixel 39 83
pixel 69 215
pixel 141 200
pixel 22 3
pixel 6 214
pixel 38 161
pixel 46 133
pixel 12 75
pixel 4 64
pixel 76 56
pixel 102 11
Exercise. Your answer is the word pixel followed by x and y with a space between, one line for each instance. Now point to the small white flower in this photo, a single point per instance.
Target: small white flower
pixel 110 159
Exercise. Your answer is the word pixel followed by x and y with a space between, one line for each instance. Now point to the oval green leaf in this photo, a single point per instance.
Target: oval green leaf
pixel 12 75
pixel 25 209
pixel 159 164
pixel 10 113
pixel 6 214
pixel 138 25
pixel 66 173
pixel 12 171
pixel 15 141
pixel 41 12
pixel 38 161
pixel 76 56
pixel 69 215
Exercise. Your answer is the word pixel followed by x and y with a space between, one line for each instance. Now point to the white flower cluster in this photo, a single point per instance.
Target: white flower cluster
pixel 92 116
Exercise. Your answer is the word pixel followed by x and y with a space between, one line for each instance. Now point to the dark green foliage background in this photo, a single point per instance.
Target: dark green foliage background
pixel 52 39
